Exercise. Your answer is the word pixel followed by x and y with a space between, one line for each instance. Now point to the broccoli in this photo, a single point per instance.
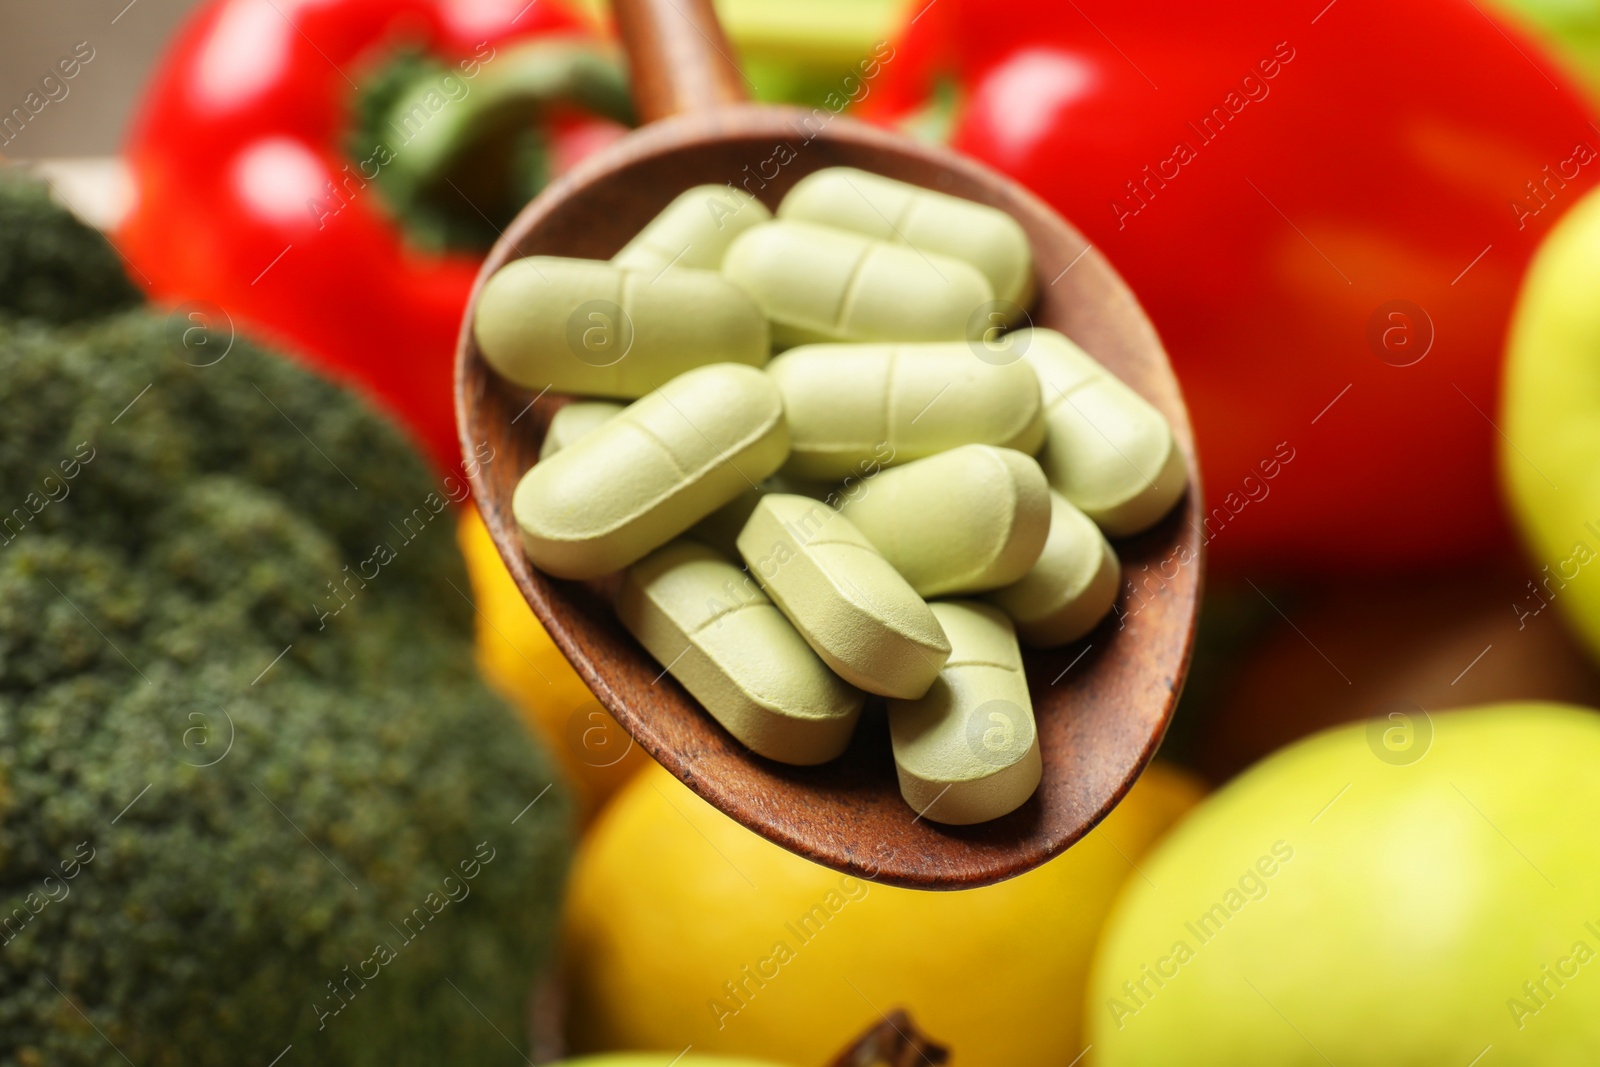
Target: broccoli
pixel 52 267
pixel 254 799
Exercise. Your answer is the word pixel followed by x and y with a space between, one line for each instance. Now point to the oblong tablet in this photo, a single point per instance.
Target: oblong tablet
pixel 694 230
pixel 902 213
pixel 964 521
pixel 967 751
pixel 590 327
pixel 817 283
pixel 709 624
pixel 1108 450
pixel 1071 587
pixel 575 420
pixel 847 602
pixel 721 528
pixel 852 408
pixel 651 472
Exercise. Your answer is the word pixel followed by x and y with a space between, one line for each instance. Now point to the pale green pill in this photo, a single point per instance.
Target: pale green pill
pixel 1071 587
pixel 844 598
pixel 906 214
pixel 968 751
pixel 817 283
pixel 721 528
pixel 575 420
pixel 708 623
pixel 1108 450
pixel 694 230
pixel 852 408
pixel 651 472
pixel 588 327
pixel 964 521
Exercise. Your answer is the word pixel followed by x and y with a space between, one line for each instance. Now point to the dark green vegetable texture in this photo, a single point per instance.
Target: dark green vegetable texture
pixel 254 800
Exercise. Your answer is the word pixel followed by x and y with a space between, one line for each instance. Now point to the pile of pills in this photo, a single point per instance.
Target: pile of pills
pixel 886 507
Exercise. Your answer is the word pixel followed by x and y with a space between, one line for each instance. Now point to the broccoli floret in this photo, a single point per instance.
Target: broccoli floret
pixel 53 267
pixel 253 795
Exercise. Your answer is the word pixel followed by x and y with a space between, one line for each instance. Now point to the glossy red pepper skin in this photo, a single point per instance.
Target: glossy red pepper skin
pixel 243 123
pixel 1295 168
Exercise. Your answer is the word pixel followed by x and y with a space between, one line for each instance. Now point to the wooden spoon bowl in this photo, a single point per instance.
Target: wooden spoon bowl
pixel 1102 704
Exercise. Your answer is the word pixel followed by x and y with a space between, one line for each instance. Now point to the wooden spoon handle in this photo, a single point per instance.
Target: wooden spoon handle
pixel 678 57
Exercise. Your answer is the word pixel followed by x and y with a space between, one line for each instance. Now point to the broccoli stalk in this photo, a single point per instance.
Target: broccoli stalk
pixel 253 795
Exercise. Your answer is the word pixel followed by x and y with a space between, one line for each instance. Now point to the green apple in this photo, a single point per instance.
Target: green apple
pixel 1550 414
pixel 1570 27
pixel 1407 891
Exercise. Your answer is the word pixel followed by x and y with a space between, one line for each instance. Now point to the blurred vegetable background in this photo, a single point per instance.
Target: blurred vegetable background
pixel 1370 255
pixel 385 192
pixel 1368 237
pixel 252 792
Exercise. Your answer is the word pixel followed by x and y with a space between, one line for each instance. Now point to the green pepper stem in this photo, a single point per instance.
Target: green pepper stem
pixel 456 151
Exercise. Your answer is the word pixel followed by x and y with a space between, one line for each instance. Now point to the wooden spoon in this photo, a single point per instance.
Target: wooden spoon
pixel 1102 704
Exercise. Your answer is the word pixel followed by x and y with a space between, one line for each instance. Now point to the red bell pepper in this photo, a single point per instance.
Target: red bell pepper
pixel 328 172
pixel 1324 206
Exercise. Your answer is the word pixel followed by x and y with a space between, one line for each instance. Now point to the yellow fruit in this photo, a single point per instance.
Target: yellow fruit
pixel 1383 894
pixel 685 928
pixel 1550 458
pixel 519 659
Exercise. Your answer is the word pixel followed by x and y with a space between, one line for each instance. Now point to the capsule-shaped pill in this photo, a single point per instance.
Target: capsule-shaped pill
pixel 906 214
pixel 575 420
pixel 964 521
pixel 852 408
pixel 694 230
pixel 588 327
pixel 651 472
pixel 1072 586
pixel 1108 450
pixel 817 283
pixel 721 528
pixel 844 598
pixel 967 751
pixel 706 621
